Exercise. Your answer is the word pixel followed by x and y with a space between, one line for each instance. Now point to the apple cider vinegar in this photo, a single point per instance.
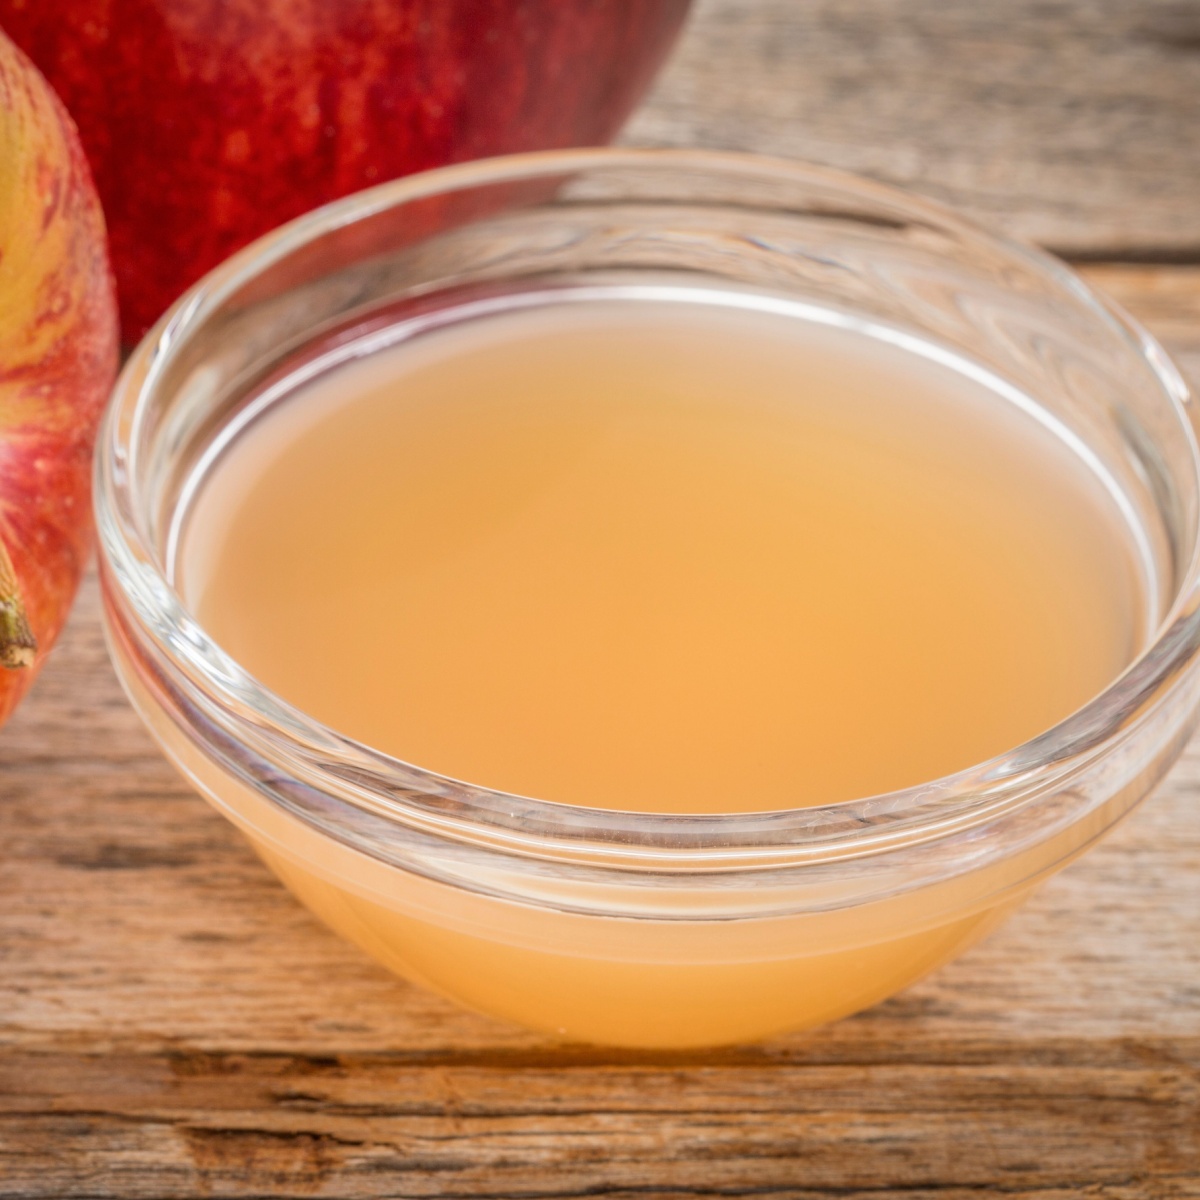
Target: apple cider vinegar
pixel 665 556
pixel 667 550
pixel 659 598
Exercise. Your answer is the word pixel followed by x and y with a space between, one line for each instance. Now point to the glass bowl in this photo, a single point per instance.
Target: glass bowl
pixel 632 928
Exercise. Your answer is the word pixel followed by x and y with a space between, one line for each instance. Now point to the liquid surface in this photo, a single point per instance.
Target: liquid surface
pixel 664 557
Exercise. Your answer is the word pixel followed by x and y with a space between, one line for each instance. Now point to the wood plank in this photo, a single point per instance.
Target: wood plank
pixel 1071 123
pixel 173 1025
pixel 539 1125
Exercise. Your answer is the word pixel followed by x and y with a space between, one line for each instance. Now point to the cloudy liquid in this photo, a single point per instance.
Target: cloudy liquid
pixel 664 557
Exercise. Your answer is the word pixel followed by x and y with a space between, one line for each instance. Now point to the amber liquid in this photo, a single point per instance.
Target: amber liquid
pixel 664 556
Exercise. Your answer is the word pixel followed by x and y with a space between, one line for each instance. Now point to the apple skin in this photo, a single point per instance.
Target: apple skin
pixel 58 356
pixel 209 122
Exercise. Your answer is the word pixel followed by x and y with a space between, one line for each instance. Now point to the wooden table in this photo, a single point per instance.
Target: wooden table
pixel 173 1025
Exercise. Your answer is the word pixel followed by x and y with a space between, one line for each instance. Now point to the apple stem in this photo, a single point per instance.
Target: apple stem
pixel 18 646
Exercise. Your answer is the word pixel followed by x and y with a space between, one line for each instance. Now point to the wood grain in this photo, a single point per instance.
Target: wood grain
pixel 1072 122
pixel 173 1025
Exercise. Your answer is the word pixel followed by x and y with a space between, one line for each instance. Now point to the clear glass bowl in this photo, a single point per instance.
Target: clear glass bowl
pixel 642 929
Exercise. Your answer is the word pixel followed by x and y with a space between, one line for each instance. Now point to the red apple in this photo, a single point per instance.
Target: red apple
pixel 58 355
pixel 208 122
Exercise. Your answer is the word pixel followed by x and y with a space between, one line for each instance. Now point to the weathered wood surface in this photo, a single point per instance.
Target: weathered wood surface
pixel 1073 122
pixel 173 1026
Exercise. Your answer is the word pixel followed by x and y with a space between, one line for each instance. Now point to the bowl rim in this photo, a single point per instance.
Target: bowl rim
pixel 369 781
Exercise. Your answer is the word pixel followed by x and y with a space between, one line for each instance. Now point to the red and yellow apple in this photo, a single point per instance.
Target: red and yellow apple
pixel 58 355
pixel 208 122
